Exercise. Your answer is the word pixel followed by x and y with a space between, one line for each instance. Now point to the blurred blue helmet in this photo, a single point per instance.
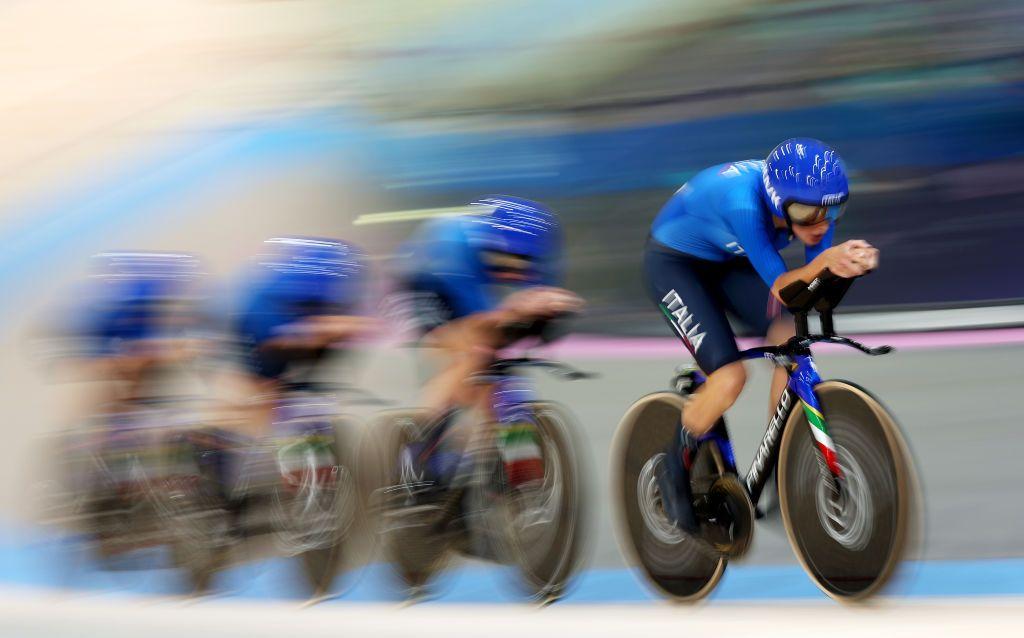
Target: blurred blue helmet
pixel 141 277
pixel 516 226
pixel 311 268
pixel 807 172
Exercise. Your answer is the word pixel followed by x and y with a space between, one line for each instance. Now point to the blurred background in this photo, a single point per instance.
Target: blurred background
pixel 206 126
pixel 327 111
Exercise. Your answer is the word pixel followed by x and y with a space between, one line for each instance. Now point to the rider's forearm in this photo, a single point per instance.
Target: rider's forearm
pixel 480 330
pixel 804 273
pixel 90 369
pixel 118 367
pixel 319 332
pixel 292 342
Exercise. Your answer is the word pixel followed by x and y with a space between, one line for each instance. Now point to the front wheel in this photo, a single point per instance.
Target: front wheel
pixel 851 534
pixel 192 506
pixel 673 562
pixel 542 525
pixel 406 516
pixel 314 506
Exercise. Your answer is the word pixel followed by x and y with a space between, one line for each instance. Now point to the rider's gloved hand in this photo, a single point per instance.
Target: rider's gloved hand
pixel 852 258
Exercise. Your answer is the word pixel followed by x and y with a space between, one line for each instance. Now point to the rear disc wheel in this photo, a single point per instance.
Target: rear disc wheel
pixel 675 564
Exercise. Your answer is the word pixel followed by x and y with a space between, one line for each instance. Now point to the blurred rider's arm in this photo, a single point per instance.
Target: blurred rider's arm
pixel 320 331
pixel 483 332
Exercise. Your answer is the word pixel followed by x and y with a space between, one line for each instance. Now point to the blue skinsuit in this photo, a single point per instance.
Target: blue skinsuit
pixel 720 214
pixel 713 250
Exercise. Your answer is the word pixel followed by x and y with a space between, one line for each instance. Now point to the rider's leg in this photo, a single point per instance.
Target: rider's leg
pixel 469 351
pixel 702 412
pixel 460 350
pixel 718 394
pixel 457 357
pixel 502 418
pixel 692 297
pixel 244 467
pixel 688 293
pixel 455 391
pixel 748 297
pixel 252 393
pixel 448 387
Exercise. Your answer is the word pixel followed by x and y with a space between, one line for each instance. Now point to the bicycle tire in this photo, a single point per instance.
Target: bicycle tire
pixel 413 550
pixel 547 566
pixel 322 566
pixel 684 572
pixel 852 555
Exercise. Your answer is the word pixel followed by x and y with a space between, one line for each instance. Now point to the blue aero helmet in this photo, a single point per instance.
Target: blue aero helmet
pixel 506 230
pixel 805 181
pixel 146 277
pixel 311 268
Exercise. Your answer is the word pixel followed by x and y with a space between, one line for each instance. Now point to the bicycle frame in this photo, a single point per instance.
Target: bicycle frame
pixel 511 394
pixel 796 358
pixel 509 397
pixel 803 377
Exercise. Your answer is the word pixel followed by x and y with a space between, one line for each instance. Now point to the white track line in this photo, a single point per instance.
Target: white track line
pixel 27 614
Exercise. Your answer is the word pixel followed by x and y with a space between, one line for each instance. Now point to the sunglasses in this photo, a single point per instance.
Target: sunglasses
pixel 507 265
pixel 810 215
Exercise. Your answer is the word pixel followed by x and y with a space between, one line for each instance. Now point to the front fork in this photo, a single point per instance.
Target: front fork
pixel 803 378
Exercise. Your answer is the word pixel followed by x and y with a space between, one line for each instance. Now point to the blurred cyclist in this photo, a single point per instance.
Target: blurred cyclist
pixel 714 250
pixel 303 297
pixel 138 319
pixel 474 284
pixel 299 301
pixel 133 330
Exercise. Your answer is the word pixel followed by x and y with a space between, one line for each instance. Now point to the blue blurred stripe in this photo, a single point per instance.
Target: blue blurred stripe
pixel 150 190
pixel 943 129
pixel 30 557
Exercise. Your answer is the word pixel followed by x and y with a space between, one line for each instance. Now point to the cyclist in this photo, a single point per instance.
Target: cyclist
pixel 138 320
pixel 133 327
pixel 297 301
pixel 713 251
pixel 473 284
pixel 304 296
